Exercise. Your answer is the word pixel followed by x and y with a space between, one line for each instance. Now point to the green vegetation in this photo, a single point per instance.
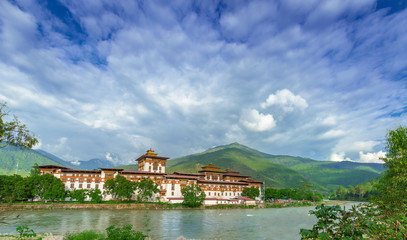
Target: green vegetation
pixel 79 195
pixel 95 195
pixel 24 231
pixel 293 193
pixel 193 196
pixel 14 132
pixel 145 189
pixel 385 217
pixel 251 192
pixel 279 171
pixel 361 192
pixel 120 188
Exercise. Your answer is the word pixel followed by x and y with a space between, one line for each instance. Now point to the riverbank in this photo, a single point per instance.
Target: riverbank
pixel 152 206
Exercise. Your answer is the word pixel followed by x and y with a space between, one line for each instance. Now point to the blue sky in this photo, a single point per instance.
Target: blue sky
pixel 110 79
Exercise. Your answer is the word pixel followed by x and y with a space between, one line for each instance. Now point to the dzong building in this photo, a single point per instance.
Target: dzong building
pixel 220 187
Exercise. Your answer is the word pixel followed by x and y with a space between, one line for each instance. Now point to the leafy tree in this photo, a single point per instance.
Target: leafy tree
pixel 95 195
pixel 251 192
pixel 47 187
pixel 79 195
pixel 146 188
pixel 120 188
pixel 14 132
pixel 193 196
pixel 386 216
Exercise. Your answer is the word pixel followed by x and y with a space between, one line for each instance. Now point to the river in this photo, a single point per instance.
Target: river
pixel 271 223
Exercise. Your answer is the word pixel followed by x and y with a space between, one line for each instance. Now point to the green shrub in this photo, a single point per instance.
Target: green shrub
pixel 124 233
pixel 85 235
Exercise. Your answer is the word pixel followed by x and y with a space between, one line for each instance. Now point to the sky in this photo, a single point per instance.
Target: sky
pixel 110 79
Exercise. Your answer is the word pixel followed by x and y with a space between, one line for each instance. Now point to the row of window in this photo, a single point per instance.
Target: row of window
pixel 224 194
pixel 83 186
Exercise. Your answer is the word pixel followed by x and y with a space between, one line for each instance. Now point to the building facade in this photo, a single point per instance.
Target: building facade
pixel 220 187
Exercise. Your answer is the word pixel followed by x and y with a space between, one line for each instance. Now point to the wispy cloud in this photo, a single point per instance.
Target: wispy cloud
pixel 327 77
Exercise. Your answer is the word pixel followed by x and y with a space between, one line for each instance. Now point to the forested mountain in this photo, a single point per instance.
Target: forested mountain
pixel 14 160
pixel 279 170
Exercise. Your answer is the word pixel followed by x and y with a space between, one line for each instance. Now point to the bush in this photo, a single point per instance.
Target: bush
pixel 124 233
pixel 85 235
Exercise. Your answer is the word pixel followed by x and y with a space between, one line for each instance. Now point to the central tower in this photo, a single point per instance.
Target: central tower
pixel 150 162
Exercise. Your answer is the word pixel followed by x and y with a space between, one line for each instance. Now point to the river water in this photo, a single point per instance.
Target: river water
pixel 271 223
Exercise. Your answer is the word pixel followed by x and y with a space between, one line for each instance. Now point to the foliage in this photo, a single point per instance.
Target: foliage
pixel 85 235
pixel 16 161
pixel 124 233
pixel 361 192
pixel 293 193
pixel 279 171
pixel 47 187
pixel 251 192
pixel 95 195
pixel 386 216
pixel 14 132
pixel 120 188
pixel 79 195
pixel 145 189
pixel 193 196
pixel 24 231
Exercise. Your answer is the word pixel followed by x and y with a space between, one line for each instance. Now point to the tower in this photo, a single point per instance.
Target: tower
pixel 150 162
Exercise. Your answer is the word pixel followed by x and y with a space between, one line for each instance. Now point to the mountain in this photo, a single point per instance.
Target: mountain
pixel 95 163
pixel 14 160
pixel 56 159
pixel 279 170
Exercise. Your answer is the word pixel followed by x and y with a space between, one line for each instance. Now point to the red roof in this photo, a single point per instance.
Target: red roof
pixel 51 166
pixel 112 169
pixel 221 182
pixel 235 175
pixel 175 198
pixel 80 171
pixel 191 174
pixel 140 172
pixel 181 176
pixel 251 181
pixel 156 157
pixel 245 198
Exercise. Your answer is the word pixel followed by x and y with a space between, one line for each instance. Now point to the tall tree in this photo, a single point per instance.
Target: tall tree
pixel 120 188
pixel 251 192
pixel 145 189
pixel 14 132
pixel 193 196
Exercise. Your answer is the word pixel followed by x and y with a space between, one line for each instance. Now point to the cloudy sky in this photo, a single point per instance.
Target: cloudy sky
pixel 109 79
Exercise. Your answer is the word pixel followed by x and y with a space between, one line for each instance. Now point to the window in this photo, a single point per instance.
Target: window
pixel 97 180
pixel 172 193
pixel 72 185
pixel 209 193
pixel 80 185
pixel 81 180
pixel 88 185
pixel 173 186
pixel 97 186
pixel 89 180
pixel 72 179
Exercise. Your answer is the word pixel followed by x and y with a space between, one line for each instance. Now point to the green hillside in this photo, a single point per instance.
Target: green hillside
pixel 278 170
pixel 240 158
pixel 15 160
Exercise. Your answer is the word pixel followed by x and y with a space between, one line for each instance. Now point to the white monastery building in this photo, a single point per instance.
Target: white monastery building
pixel 220 187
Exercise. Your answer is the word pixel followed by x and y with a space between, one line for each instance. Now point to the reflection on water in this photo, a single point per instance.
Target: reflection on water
pixel 283 223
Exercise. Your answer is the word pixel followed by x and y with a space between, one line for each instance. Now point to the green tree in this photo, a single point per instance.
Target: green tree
pixel 145 189
pixel 120 188
pixel 14 132
pixel 47 187
pixel 251 192
pixel 95 195
pixel 79 195
pixel 193 196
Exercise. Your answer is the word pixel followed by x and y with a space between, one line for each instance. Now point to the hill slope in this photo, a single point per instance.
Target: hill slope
pixel 278 170
pixel 15 160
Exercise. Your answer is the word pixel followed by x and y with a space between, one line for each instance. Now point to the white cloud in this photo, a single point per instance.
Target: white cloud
pixel 332 134
pixel 286 100
pixel 339 157
pixel 374 157
pixel 258 122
